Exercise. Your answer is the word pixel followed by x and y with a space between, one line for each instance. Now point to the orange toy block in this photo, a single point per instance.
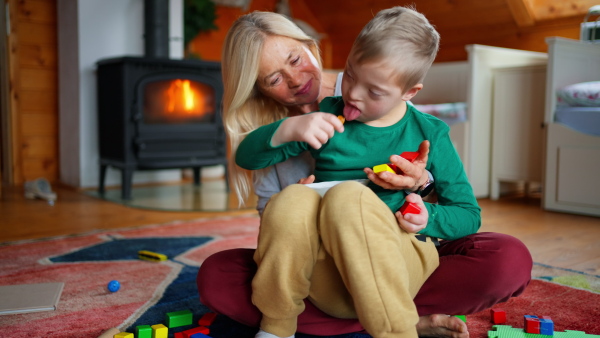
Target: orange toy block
pixel 409 208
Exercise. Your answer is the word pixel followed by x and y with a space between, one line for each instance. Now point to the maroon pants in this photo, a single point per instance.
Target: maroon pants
pixel 475 273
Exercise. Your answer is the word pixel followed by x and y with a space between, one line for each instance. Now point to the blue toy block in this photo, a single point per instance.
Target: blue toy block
pixel 546 326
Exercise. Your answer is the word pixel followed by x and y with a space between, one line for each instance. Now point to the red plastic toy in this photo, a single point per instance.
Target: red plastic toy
pixel 498 316
pixel 409 208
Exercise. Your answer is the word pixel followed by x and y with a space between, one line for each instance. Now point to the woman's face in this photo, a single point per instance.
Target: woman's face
pixel 288 72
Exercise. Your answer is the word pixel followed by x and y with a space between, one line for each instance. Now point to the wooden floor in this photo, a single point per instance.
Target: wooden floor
pixel 557 239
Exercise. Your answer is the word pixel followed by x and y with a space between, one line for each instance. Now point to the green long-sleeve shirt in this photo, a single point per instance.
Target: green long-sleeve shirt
pixel 346 154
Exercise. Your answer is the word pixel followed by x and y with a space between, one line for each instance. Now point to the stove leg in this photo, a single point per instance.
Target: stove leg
pixel 126 180
pixel 103 168
pixel 197 175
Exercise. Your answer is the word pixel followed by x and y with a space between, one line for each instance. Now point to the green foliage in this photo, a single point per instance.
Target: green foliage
pixel 198 16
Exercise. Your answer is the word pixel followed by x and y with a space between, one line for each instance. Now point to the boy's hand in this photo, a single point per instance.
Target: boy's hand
pixel 315 129
pixel 414 176
pixel 413 223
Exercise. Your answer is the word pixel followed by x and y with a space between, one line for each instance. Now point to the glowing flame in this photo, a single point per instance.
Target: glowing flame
pixel 182 98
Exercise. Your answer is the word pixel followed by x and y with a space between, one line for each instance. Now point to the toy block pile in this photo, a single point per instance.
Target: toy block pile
pixel 173 320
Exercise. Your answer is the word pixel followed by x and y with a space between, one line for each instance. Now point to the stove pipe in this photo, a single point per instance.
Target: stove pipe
pixel 156 28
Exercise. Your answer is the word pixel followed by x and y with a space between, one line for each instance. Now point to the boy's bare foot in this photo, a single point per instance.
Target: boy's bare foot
pixel 442 326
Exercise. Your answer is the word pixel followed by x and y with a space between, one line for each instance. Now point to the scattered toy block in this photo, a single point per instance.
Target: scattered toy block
pixel 207 319
pixel 143 331
pixel 179 318
pixel 159 331
pixel 498 316
pixel 191 332
pixel 532 324
pixel 151 256
pixel 123 335
pixel 462 317
pixel 178 335
pixel 409 208
pixel 199 335
pixel 546 326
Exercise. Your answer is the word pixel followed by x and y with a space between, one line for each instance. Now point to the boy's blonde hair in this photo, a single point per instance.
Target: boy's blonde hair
pixel 405 37
pixel 245 108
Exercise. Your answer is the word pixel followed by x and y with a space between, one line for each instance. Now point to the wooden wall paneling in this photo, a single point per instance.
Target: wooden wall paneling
pixel 14 80
pixel 39 88
pixel 553 9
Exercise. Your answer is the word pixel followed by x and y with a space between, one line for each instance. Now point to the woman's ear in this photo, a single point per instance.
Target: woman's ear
pixel 409 94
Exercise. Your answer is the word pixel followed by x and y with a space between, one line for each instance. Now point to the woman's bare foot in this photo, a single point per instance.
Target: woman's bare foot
pixel 442 326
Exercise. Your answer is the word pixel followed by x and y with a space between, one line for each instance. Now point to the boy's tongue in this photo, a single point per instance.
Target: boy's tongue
pixel 351 113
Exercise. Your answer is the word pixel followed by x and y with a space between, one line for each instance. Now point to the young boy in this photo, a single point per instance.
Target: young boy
pixel 346 252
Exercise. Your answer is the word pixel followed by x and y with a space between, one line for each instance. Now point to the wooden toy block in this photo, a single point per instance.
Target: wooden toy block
pixel 383 167
pixel 124 335
pixel 532 324
pixel 179 318
pixel 410 155
pixel 143 331
pixel 191 332
pixel 409 208
pixel 178 335
pixel 462 317
pixel 159 331
pixel 207 319
pixel 546 326
pixel 151 256
pixel 498 316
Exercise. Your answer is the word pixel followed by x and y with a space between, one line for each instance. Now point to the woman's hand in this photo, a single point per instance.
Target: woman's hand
pixel 308 180
pixel 315 129
pixel 414 176
pixel 413 223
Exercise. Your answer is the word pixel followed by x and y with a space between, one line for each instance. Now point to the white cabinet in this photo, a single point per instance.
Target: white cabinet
pixel 517 126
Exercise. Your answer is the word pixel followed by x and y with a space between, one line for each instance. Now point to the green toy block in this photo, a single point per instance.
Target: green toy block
pixel 143 331
pixel 507 331
pixel 179 318
pixel 462 317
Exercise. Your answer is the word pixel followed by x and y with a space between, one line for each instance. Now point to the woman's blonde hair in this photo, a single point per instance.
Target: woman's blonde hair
pixel 245 108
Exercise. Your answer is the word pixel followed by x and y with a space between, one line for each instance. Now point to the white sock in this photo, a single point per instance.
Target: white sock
pixel 264 334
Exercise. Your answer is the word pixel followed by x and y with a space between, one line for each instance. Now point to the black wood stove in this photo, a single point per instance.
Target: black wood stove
pixel 158 113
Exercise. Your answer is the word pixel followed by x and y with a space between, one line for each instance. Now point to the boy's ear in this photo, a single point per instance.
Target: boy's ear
pixel 412 92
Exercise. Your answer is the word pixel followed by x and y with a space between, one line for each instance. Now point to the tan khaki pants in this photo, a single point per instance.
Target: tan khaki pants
pixel 346 253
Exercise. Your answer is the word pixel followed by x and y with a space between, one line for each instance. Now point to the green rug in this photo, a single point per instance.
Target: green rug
pixel 568 277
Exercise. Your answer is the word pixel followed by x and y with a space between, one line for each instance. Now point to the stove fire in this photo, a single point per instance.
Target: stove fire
pixel 178 101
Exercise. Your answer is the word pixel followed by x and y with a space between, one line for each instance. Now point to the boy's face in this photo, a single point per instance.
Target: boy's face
pixel 372 94
pixel 288 72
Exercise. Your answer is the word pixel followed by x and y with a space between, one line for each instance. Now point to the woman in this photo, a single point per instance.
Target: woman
pixel 275 78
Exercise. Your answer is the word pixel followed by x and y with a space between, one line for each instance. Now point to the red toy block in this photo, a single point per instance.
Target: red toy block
pixel 410 155
pixel 409 208
pixel 178 335
pixel 191 332
pixel 207 319
pixel 498 316
pixel 532 324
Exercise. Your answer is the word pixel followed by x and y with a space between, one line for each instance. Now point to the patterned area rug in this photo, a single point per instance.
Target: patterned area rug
pixel 149 290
